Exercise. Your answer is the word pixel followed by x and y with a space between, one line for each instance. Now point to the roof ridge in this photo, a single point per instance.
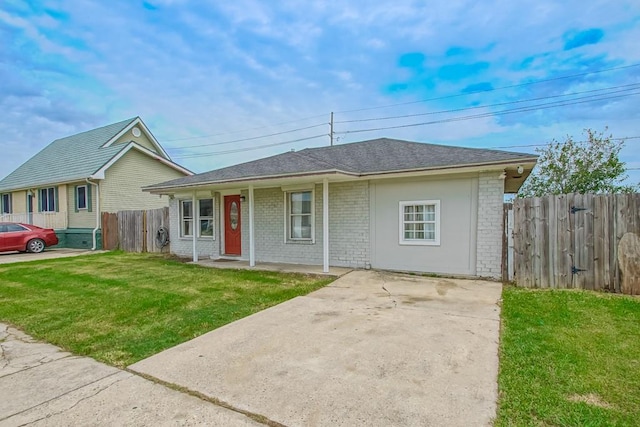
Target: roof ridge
pixel 127 121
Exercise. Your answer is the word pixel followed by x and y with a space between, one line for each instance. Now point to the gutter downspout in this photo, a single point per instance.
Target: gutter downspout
pixel 95 230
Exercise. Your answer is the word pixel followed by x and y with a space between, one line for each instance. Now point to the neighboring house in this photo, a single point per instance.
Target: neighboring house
pixel 70 182
pixel 382 203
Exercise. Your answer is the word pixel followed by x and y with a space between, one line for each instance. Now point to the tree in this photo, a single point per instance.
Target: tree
pixel 590 166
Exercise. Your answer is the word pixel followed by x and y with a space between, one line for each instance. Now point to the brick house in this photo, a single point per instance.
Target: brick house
pixel 381 203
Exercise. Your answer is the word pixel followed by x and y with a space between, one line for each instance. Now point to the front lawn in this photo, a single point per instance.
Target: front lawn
pixel 120 308
pixel 569 358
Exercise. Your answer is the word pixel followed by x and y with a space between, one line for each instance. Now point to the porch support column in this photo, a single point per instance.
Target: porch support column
pixel 252 240
pixel 194 232
pixel 325 225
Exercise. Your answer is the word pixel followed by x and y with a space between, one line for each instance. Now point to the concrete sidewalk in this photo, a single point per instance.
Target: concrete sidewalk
pixel 40 385
pixel 13 257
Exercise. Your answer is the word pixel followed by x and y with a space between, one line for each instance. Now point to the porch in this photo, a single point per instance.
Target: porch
pixel 273 266
pixel 55 220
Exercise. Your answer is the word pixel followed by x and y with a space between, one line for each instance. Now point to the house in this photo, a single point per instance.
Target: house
pixel 382 203
pixel 68 184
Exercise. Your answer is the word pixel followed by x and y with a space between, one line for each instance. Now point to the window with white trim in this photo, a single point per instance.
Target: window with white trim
pixel 48 200
pixel 81 197
pixel 6 204
pixel 205 218
pixel 420 222
pixel 300 215
pixel 186 218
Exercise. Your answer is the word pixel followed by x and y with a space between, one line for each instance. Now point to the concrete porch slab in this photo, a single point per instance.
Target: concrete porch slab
pixel 272 266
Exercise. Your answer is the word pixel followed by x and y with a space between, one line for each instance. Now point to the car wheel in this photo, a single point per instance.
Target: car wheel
pixel 35 246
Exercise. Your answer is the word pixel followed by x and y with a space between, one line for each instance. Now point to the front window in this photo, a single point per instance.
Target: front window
pixel 81 195
pixel 206 217
pixel 48 200
pixel 205 224
pixel 300 213
pixel 420 222
pixel 186 218
pixel 6 204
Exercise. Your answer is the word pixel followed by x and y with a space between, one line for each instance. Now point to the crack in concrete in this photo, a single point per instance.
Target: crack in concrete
pixel 221 403
pixel 40 362
pixel 4 361
pixel 62 395
pixel 395 303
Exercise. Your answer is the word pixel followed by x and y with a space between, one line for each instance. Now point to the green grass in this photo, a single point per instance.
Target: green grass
pixel 569 358
pixel 120 308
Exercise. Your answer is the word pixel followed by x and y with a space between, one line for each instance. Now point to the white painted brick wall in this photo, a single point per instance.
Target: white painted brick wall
pixel 348 231
pixel 183 246
pixel 349 224
pixel 489 234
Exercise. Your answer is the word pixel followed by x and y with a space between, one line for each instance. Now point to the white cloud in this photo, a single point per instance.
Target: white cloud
pixel 205 69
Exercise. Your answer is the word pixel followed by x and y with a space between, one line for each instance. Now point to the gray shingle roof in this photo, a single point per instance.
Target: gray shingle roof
pixel 67 159
pixel 358 158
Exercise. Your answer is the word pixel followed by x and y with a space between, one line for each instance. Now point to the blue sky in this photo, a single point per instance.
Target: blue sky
pixel 213 80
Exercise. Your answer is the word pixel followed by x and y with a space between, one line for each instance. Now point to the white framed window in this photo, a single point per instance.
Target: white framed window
pixel 299 216
pixel 186 218
pixel 420 222
pixel 205 218
pixel 81 197
pixel 6 204
pixel 48 199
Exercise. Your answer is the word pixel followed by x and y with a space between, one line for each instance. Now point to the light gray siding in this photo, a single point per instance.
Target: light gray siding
pixel 458 207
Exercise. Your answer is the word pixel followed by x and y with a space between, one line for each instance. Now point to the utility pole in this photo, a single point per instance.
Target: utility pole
pixel 331 129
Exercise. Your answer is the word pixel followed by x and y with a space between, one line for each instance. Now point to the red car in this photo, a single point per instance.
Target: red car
pixel 16 236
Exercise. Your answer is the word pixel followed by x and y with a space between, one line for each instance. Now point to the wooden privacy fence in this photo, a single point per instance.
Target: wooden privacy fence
pixel 134 231
pixel 580 241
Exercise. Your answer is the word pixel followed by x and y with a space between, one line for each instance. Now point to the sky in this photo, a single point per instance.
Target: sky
pixel 220 83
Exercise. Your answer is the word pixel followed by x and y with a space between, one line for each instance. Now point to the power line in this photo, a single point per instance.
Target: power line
pixel 629 87
pixel 257 147
pixel 496 113
pixel 249 139
pixel 624 138
pixel 245 130
pixel 411 102
pixel 492 89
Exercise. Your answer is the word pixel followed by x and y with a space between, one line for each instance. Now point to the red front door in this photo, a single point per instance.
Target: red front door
pixel 232 229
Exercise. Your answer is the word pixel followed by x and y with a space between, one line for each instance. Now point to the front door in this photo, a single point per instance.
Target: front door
pixel 232 229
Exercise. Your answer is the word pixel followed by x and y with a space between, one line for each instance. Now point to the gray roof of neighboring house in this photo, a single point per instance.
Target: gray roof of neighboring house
pixel 358 158
pixel 67 159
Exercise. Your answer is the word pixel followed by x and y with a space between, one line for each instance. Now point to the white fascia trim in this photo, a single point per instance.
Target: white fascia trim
pixel 439 170
pixel 254 180
pixel 117 136
pixel 100 173
pixel 138 121
pixel 474 167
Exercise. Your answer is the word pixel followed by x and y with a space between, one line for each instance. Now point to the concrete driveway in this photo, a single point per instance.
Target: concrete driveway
pixel 372 348
pixel 11 257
